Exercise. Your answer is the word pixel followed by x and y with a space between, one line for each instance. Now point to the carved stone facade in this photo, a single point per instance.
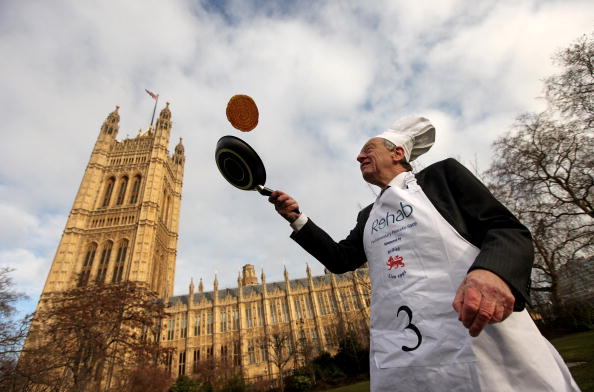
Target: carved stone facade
pixel 234 326
pixel 125 218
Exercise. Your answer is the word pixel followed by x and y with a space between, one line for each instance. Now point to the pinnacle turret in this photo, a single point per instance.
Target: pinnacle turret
pixel 163 129
pixel 179 149
pixel 249 275
pixel 179 157
pixel 165 113
pixel 111 125
pixel 164 121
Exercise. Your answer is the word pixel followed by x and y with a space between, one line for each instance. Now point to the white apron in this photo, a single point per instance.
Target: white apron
pixel 417 260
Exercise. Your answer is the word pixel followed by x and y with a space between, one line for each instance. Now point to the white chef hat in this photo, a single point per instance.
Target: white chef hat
pixel 415 135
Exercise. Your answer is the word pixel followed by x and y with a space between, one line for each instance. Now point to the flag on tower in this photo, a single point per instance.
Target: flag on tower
pixel 153 95
pixel 156 98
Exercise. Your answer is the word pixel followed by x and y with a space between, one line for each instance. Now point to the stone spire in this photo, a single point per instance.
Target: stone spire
pixel 163 128
pixel 164 121
pixel 179 149
pixel 287 283
pixel 200 287
pixel 263 280
pixel 239 286
pixel 179 158
pixel 191 293
pixel 309 277
pixel 111 125
pixel 215 292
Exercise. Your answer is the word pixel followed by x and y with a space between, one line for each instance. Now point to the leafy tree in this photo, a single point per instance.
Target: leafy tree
pixel 147 377
pixel 281 351
pixel 352 357
pixel 572 91
pixel 328 373
pixel 12 332
pixel 542 170
pixel 306 350
pixel 185 384
pixel 215 372
pixel 93 337
pixel 298 383
pixel 234 384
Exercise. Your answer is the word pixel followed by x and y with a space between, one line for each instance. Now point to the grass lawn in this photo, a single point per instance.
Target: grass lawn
pixel 358 387
pixel 577 347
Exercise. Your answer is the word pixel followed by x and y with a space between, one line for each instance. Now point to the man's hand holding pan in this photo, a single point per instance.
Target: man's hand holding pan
pixel 285 205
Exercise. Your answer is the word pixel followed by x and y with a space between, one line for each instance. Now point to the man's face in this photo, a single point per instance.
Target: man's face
pixel 376 162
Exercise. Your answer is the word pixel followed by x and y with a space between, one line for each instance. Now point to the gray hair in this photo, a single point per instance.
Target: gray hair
pixel 391 146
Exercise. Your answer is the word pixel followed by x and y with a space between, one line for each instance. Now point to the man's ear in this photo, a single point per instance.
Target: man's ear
pixel 397 154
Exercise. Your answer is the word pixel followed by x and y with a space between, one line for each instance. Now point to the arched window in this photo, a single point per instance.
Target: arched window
pixel 167 209
pixel 163 205
pixel 118 269
pixel 104 262
pixel 108 191
pixel 155 273
pixel 122 191
pixel 85 272
pixel 135 190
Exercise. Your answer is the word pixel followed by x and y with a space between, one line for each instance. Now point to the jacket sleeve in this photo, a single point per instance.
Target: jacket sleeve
pixel 346 255
pixel 505 244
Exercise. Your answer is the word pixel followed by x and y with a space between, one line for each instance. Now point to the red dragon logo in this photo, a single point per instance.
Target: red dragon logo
pixel 395 262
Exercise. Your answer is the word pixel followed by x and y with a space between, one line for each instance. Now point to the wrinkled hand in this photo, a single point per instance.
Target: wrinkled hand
pixel 482 298
pixel 285 205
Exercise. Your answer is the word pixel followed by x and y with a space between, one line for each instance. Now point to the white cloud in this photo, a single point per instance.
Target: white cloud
pixel 19 228
pixel 29 270
pixel 326 76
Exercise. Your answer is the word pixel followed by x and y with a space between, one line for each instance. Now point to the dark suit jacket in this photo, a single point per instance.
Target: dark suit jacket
pixel 505 244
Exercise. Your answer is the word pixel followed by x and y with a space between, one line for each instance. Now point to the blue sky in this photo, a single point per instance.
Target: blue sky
pixel 326 76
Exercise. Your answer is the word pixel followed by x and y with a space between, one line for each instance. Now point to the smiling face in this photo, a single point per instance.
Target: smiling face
pixel 378 164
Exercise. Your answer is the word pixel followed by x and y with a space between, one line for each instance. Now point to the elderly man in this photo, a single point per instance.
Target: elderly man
pixel 449 265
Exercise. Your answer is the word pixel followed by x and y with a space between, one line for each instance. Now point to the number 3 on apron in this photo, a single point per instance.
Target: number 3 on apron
pixel 416 260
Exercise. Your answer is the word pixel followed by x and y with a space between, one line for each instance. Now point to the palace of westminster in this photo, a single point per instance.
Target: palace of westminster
pixel 124 225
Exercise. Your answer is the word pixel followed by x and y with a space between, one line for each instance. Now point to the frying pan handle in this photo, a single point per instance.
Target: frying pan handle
pixel 263 190
pixel 267 192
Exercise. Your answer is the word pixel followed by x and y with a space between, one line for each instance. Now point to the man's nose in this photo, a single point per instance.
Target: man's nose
pixel 360 157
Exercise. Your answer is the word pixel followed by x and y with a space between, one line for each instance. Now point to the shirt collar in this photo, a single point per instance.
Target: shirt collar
pixel 399 180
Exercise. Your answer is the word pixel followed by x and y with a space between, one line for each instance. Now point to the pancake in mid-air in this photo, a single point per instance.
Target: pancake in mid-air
pixel 242 113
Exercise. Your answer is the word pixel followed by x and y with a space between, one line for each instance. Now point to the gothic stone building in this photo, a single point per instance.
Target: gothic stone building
pixel 235 326
pixel 124 221
pixel 123 226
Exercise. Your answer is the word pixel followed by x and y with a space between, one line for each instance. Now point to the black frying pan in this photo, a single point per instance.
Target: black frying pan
pixel 240 165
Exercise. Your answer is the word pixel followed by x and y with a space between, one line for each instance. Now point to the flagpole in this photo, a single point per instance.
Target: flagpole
pixel 154 110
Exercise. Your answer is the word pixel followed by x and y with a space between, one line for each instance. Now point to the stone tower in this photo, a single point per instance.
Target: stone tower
pixel 125 218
